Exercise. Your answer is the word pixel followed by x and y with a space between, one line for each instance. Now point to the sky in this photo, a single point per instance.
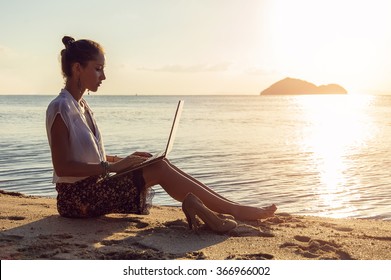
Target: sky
pixel 200 46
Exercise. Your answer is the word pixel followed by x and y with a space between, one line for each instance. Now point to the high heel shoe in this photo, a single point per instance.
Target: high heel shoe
pixel 192 206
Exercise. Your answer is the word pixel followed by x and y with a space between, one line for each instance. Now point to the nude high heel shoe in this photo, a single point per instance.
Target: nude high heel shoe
pixel 192 206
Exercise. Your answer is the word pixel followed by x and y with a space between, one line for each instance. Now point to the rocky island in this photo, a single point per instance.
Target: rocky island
pixel 290 86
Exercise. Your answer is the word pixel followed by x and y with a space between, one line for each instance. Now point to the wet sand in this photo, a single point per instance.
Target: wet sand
pixel 30 228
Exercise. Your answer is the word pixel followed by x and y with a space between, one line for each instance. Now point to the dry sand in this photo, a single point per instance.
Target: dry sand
pixel 30 228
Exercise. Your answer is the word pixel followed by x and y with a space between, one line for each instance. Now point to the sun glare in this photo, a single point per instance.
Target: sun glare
pixel 337 125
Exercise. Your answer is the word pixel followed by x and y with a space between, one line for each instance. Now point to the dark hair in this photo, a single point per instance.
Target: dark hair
pixel 80 51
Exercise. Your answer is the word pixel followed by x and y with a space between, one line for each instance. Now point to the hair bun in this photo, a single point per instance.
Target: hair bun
pixel 67 41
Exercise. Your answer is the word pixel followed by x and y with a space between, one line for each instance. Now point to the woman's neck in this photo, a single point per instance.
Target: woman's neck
pixel 74 89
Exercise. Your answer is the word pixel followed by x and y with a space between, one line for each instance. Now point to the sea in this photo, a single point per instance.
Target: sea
pixel 319 155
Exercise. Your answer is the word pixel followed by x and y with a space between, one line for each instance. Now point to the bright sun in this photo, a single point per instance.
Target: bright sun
pixel 332 41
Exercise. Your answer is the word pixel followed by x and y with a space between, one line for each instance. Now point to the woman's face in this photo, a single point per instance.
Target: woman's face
pixel 93 74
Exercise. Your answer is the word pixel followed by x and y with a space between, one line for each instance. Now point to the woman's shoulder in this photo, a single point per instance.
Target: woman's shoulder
pixel 60 103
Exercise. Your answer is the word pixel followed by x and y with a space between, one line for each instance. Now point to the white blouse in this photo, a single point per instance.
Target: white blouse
pixel 86 146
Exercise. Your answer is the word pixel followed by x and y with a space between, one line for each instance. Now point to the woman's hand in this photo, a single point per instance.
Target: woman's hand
pixel 128 162
pixel 141 154
pixel 113 158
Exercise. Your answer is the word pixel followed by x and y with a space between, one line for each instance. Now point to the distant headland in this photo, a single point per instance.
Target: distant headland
pixel 290 86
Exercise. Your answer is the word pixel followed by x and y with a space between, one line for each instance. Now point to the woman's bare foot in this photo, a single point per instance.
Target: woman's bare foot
pixel 254 213
pixel 267 211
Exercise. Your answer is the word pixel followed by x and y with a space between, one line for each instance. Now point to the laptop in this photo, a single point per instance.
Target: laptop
pixel 163 154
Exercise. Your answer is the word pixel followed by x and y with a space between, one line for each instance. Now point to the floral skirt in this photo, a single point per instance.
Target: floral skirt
pixel 97 196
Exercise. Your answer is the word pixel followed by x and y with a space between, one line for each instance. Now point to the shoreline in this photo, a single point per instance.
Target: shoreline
pixel 32 229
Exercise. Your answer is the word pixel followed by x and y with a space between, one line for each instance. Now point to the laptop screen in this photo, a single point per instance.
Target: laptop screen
pixel 174 127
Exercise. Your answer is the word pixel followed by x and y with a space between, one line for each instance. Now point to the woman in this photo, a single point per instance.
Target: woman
pixel 81 165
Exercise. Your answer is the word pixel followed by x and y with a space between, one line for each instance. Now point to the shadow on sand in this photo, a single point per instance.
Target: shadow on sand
pixel 107 237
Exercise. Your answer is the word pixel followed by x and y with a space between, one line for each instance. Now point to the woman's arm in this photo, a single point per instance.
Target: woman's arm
pixel 62 163
pixel 66 167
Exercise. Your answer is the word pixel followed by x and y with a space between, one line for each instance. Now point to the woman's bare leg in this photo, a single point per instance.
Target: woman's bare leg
pixel 178 185
pixel 198 182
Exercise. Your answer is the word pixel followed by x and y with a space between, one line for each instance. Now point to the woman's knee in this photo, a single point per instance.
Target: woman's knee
pixel 162 166
pixel 155 173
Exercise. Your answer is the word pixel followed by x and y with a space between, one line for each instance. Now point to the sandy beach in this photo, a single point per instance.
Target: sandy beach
pixel 32 229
